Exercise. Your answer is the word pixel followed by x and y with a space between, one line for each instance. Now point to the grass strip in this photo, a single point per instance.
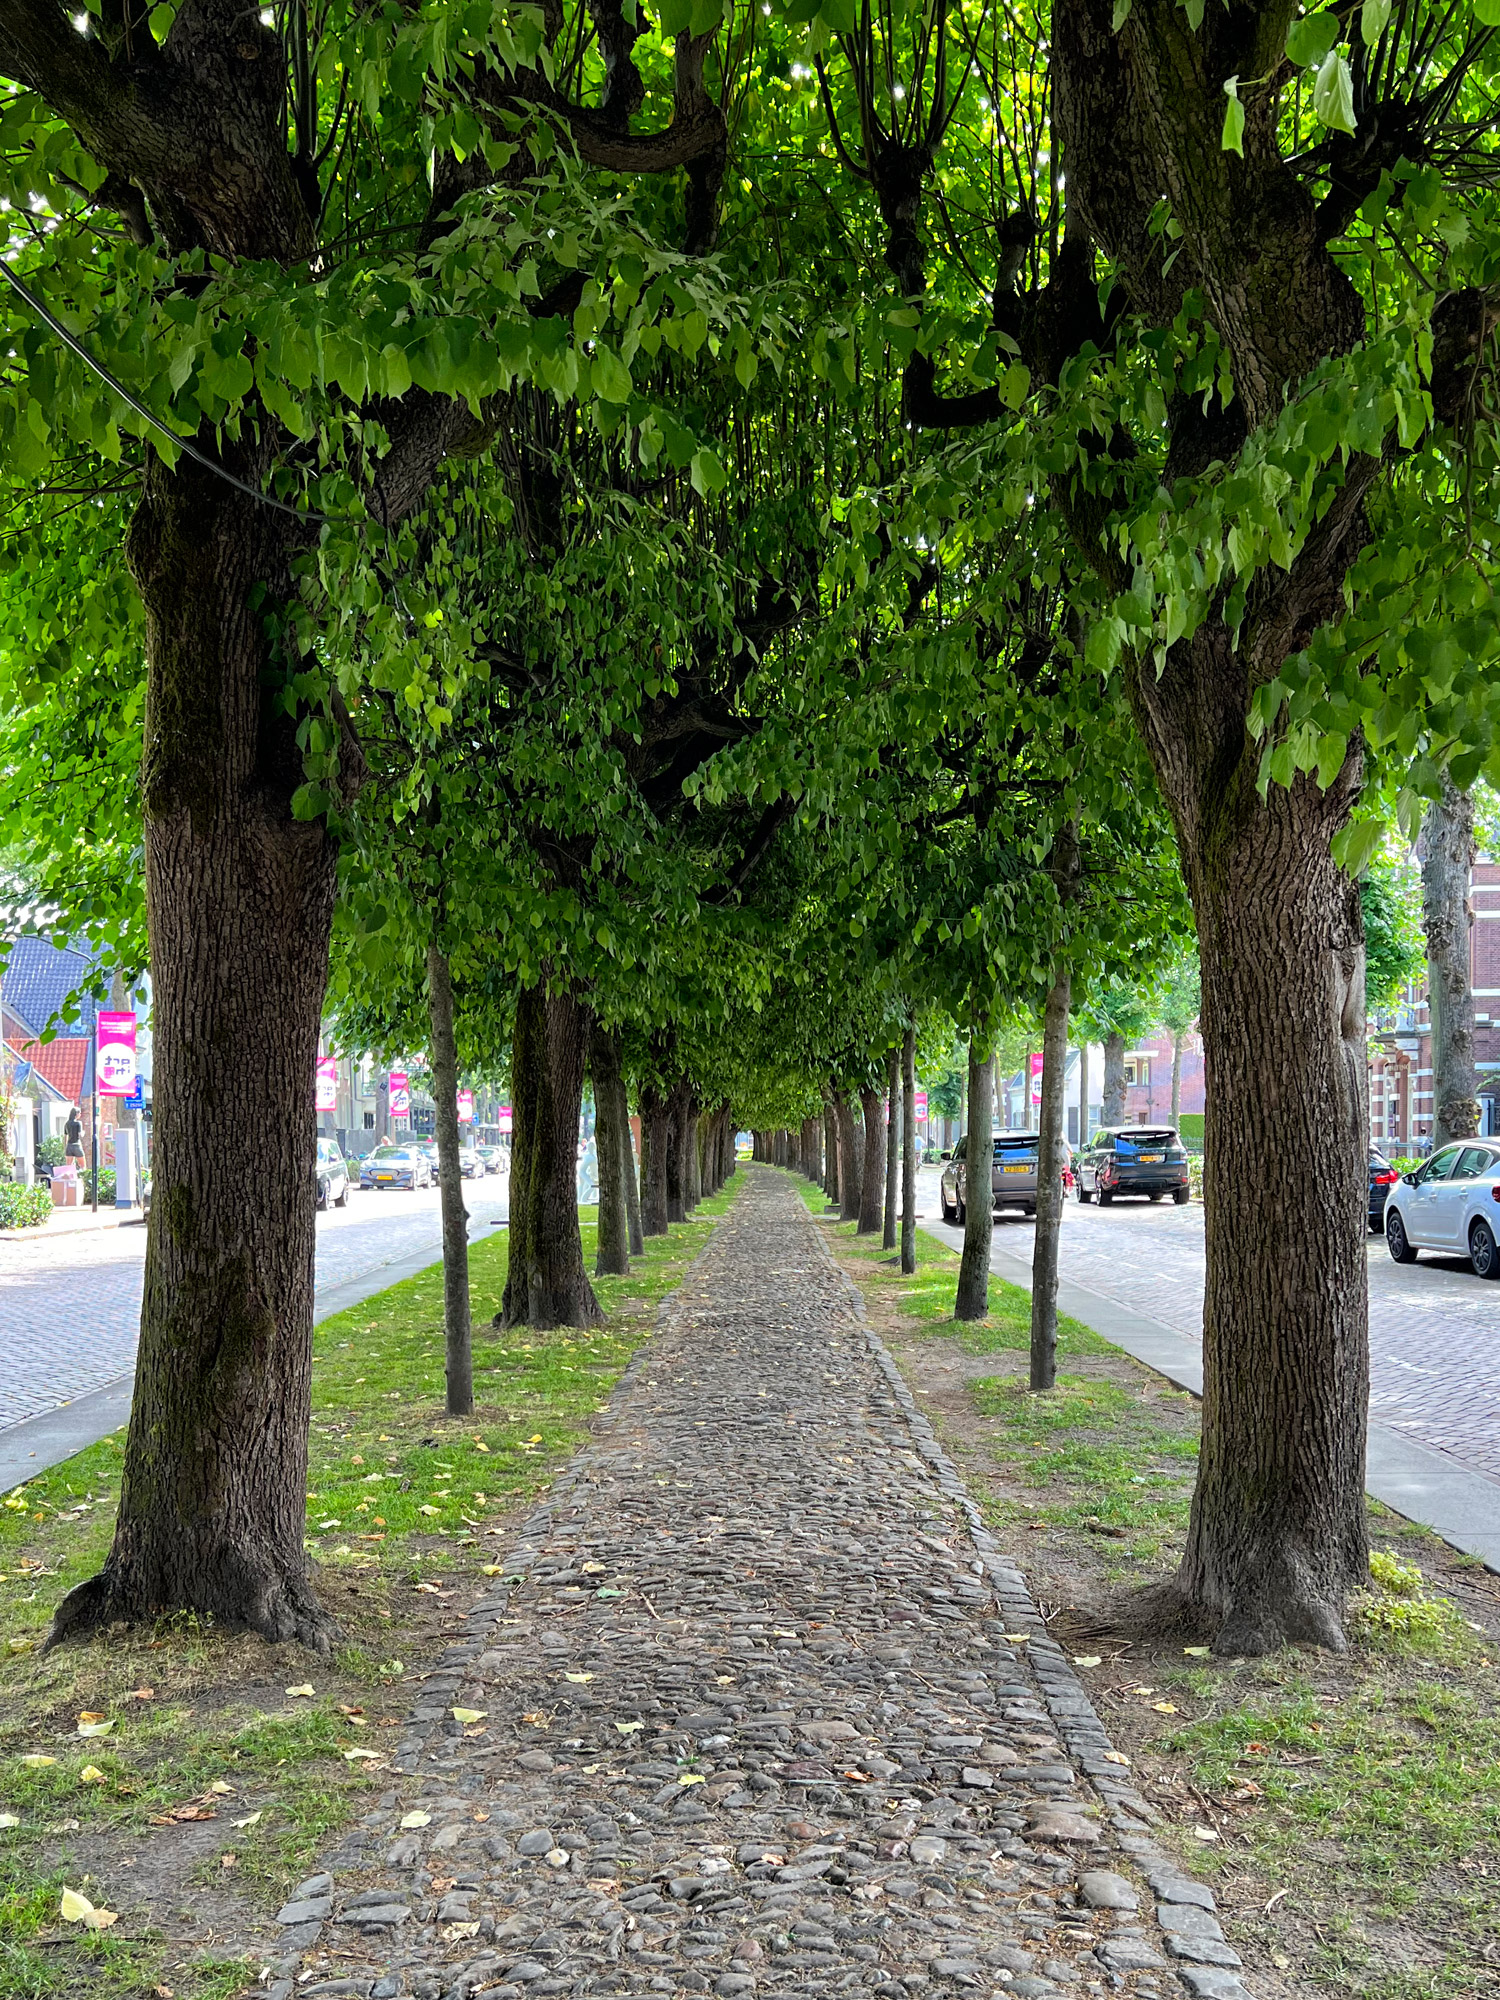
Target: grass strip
pixel 223 1764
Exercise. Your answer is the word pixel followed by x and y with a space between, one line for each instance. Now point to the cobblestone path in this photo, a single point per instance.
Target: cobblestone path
pixel 750 1713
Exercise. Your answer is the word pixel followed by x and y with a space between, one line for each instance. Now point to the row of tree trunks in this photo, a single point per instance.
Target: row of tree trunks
pixel 850 1163
pixel 546 1284
pixel 872 1180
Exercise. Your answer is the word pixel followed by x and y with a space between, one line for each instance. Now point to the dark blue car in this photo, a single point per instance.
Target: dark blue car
pixel 1383 1177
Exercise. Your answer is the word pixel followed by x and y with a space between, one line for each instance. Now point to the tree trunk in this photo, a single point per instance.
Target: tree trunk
pixel 457 1334
pixel 973 1300
pixel 1083 1089
pixel 679 1117
pixel 831 1153
pixel 693 1189
pixel 612 1137
pixel 909 1152
pixel 239 898
pixel 849 1161
pixel 1448 850
pixel 892 1148
pixel 655 1146
pixel 1051 1153
pixel 546 1284
pixel 1278 1532
pixel 637 1239
pixel 1112 1110
pixel 872 1182
pixel 1177 1076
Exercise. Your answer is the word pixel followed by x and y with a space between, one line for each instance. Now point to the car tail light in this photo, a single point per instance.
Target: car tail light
pixel 1385 1179
pixel 1495 1192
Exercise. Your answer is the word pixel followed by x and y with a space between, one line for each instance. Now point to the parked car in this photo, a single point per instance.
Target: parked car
pixel 1451 1203
pixel 495 1159
pixel 1383 1177
pixel 396 1166
pixel 1134 1159
pixel 1012 1177
pixel 333 1175
pixel 470 1166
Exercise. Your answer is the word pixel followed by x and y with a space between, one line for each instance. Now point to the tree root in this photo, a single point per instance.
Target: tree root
pixel 282 1610
pixel 1252 1627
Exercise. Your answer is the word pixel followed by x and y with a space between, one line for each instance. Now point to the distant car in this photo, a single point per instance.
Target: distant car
pixel 1134 1159
pixel 1452 1203
pixel 1012 1176
pixel 396 1166
pixel 470 1166
pixel 494 1158
pixel 1383 1177
pixel 333 1175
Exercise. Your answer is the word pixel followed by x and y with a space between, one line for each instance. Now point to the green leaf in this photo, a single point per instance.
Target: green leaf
pixel 707 474
pixel 1487 13
pixel 1194 11
pixel 1233 137
pixel 1374 14
pixel 1309 40
pixel 1333 94
pixel 675 16
pixel 610 376
pixel 1120 17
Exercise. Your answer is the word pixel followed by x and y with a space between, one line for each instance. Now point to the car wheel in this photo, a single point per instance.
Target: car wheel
pixel 322 1194
pixel 1084 1196
pixel 947 1211
pixel 1396 1240
pixel 343 1199
pixel 1484 1253
pixel 1182 1196
pixel 1158 1194
pixel 1105 1197
pixel 962 1216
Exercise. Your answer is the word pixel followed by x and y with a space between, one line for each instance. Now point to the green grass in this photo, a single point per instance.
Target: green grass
pixel 407 1512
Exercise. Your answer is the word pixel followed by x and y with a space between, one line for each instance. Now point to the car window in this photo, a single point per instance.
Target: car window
pixel 1474 1161
pixel 958 1150
pixel 1441 1165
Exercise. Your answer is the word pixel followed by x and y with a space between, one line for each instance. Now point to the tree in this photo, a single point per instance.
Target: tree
pixel 1179 1003
pixel 1448 848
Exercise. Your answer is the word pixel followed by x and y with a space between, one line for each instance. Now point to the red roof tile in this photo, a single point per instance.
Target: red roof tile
pixel 62 1062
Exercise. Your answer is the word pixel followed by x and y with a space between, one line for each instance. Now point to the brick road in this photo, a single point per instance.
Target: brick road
pixel 70 1304
pixel 1434 1326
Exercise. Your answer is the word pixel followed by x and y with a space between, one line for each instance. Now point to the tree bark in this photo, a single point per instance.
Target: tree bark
pixel 612 1136
pixel 831 1152
pixel 849 1161
pixel 636 1238
pixel 457 1331
pixel 239 898
pixel 1448 850
pixel 909 1152
pixel 679 1117
pixel 1051 1153
pixel 872 1183
pixel 973 1300
pixel 1112 1109
pixel 892 1148
pixel 546 1284
pixel 693 1186
pixel 656 1126
pixel 1177 1076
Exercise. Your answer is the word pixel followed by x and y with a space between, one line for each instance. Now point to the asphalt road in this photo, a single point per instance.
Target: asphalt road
pixel 70 1303
pixel 1434 1326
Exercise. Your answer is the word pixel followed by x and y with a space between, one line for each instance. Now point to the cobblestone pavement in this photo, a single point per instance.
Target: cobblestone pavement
pixel 757 1709
pixel 1434 1326
pixel 70 1305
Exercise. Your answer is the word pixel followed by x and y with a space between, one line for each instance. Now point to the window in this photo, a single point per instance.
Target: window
pixel 1138 1071
pixel 1440 1166
pixel 369 1121
pixel 1475 1161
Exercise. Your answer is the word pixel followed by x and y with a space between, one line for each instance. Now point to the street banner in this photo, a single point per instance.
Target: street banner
pixel 466 1107
pixel 919 1104
pixel 114 1069
pixel 400 1094
pixel 1036 1078
pixel 506 1120
pixel 326 1090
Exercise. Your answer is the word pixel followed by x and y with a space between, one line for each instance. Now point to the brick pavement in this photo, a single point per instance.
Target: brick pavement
pixel 1434 1326
pixel 70 1304
pixel 758 1709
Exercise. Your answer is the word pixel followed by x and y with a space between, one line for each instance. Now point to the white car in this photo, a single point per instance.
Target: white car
pixel 1450 1203
pixel 333 1175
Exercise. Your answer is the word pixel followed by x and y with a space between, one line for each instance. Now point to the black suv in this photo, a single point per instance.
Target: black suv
pixel 1134 1159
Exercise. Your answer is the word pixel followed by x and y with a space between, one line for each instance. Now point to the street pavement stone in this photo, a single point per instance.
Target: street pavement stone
pixel 1434 1326
pixel 757 1708
pixel 70 1305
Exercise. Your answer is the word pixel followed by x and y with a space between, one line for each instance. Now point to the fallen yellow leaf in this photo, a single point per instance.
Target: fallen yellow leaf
pixel 305 1691
pixel 580 1680
pixel 692 1778
pixel 1117 1757
pixel 36 1759
pixel 1165 1707
pixel 221 1788
pixel 250 1819
pixel 415 1819
pixel 629 1728
pixel 469 1714
pixel 92 1775
pixel 95 1728
pixel 1198 1652
pixel 429 1510
pixel 78 1909
pixel 1087 1660
pixel 9 1819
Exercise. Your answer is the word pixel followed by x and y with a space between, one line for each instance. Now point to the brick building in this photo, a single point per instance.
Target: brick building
pixel 1401 1047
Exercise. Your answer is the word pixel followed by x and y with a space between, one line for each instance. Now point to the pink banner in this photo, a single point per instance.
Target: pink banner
pixel 326 1089
pixel 919 1103
pixel 114 1067
pixel 400 1094
pixel 1036 1078
pixel 466 1107
pixel 507 1120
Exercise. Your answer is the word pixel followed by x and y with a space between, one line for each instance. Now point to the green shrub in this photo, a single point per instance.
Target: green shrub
pixel 1190 1125
pixel 1398 1607
pixel 23 1207
pixel 106 1187
pixel 51 1152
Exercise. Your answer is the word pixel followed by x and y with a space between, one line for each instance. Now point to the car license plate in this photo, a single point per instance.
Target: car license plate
pixel 385 1177
pixel 1151 1159
pixel 1024 1168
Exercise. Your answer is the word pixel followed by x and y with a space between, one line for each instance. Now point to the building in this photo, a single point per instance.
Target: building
pixel 1401 1100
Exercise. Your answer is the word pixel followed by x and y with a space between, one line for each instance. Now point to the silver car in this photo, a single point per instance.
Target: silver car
pixel 1012 1178
pixel 1450 1203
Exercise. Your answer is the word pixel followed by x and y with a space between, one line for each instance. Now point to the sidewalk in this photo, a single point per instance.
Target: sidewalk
pixel 72 1221
pixel 756 1707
